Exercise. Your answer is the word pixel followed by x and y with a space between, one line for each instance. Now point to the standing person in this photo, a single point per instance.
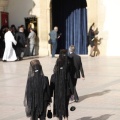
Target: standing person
pixel 61 86
pixel 91 36
pixel 32 37
pixel 2 41
pixel 14 31
pixel 54 37
pixel 76 69
pixel 21 43
pixel 9 53
pixel 37 94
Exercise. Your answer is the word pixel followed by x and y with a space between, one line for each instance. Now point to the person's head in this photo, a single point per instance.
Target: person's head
pixel 31 29
pixel 56 28
pixel 36 67
pixel 62 60
pixel 72 49
pixel 6 29
pixel 63 52
pixel 21 29
pixel 13 28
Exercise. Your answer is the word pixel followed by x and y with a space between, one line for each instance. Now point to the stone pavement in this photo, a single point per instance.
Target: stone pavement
pixel 99 93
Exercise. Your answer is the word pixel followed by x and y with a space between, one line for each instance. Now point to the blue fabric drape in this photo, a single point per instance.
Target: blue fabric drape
pixel 71 18
pixel 76 30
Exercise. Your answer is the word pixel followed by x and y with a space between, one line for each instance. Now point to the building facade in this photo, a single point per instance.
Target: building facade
pixel 103 12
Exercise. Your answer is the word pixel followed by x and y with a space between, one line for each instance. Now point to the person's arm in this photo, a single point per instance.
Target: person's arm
pixel 24 40
pixel 14 41
pixel 52 85
pixel 30 35
pixel 48 90
pixel 59 35
pixel 16 37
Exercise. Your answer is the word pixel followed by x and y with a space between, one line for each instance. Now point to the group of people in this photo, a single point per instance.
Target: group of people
pixel 39 93
pixel 16 42
pixel 92 36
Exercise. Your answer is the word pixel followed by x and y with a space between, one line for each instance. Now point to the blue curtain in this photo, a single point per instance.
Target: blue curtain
pixel 71 18
pixel 76 30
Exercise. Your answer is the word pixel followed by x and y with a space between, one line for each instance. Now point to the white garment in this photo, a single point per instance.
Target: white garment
pixel 9 53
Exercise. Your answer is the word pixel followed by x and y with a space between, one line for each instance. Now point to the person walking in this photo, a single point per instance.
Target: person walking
pixel 75 69
pixel 62 87
pixel 9 52
pixel 21 43
pixel 37 93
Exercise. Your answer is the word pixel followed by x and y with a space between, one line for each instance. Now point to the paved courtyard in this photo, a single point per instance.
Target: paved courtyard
pixel 99 93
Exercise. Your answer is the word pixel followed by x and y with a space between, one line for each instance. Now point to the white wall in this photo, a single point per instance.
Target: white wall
pixel 18 10
pixel 109 25
pixel 105 14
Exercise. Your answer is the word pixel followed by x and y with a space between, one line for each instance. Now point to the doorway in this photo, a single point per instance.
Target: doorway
pixel 71 19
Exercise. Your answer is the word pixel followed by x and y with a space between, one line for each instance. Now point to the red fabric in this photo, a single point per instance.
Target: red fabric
pixel 4 19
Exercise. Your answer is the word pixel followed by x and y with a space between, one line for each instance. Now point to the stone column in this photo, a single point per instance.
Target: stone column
pixel 49 18
pixel 43 28
pixel 42 12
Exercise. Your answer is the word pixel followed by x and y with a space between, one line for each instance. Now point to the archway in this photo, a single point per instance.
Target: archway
pixel 71 19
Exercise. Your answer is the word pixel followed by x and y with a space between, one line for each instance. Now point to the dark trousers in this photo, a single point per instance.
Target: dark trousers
pixel 19 50
pixel 54 47
pixel 75 92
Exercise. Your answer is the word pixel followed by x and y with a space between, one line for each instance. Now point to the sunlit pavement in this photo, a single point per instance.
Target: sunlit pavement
pixel 99 93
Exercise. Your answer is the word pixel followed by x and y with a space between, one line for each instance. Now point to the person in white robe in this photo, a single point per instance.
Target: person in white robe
pixel 9 53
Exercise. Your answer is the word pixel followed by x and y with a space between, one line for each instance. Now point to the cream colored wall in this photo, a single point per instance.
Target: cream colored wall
pixel 101 23
pixel 18 10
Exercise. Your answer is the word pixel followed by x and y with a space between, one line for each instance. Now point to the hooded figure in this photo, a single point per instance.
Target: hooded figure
pixel 37 94
pixel 61 85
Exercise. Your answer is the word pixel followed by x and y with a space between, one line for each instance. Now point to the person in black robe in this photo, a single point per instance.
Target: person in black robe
pixel 37 94
pixel 61 86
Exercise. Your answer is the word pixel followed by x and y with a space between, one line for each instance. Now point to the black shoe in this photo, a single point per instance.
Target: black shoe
pixel 19 58
pixel 4 61
pixel 72 108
